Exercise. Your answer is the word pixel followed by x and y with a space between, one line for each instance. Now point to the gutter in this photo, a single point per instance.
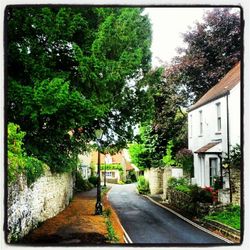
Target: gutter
pixel 208 101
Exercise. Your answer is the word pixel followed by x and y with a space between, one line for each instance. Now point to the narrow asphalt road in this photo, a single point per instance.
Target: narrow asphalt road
pixel 147 223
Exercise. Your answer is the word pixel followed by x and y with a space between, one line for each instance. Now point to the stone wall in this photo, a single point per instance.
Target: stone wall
pixel 155 179
pixel 181 201
pixel 166 175
pixel 235 185
pixel 29 206
pixel 184 202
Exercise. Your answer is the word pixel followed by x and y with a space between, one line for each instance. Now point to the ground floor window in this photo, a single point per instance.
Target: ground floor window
pixel 109 174
pixel 214 169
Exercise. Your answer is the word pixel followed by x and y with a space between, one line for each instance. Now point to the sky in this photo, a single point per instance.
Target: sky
pixel 167 26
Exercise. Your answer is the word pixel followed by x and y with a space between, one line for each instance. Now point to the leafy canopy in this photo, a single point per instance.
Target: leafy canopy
pixel 73 70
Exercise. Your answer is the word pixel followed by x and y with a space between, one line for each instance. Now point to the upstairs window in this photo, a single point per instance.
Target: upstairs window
pixel 218 109
pixel 191 126
pixel 108 159
pixel 201 122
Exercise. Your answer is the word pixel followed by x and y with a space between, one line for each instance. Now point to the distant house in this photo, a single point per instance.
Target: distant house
pixel 84 167
pixel 121 163
pixel 113 174
pixel 214 127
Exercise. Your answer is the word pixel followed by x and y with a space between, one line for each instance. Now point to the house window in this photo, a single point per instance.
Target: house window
pixel 201 122
pixel 110 174
pixel 214 170
pixel 108 159
pixel 191 126
pixel 218 108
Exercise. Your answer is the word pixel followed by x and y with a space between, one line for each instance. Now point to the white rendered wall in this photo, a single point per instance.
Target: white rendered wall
pixel 234 115
pixel 210 132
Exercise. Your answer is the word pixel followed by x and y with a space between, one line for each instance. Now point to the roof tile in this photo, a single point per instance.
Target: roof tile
pixel 228 82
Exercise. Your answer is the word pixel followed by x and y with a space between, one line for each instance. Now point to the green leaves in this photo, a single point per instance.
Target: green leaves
pixel 51 95
pixel 15 137
pixel 168 158
pixel 18 161
pixel 234 158
pixel 69 69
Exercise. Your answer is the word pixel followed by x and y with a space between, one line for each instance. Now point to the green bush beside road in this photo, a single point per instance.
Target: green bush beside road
pixel 142 185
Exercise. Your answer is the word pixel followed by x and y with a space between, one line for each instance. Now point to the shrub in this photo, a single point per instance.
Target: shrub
pixel 184 157
pixel 93 180
pixel 218 183
pixel 183 188
pixel 33 169
pixel 81 184
pixel 199 194
pixel 174 182
pixel 233 159
pixel 18 160
pixel 142 185
pixel 128 181
pixel 168 159
pixel 132 176
pixel 205 196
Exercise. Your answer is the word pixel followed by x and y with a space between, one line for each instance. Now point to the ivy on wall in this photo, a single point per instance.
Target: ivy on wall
pixel 112 167
pixel 18 161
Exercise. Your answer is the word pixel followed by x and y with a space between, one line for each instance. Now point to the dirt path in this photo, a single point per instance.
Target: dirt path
pixel 76 225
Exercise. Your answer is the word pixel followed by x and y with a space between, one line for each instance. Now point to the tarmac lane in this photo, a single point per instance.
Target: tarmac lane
pixel 147 223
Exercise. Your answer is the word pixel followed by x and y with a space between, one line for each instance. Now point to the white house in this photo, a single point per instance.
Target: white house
pixel 85 162
pixel 214 127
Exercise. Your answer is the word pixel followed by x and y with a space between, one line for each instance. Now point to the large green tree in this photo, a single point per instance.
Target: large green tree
pixel 72 70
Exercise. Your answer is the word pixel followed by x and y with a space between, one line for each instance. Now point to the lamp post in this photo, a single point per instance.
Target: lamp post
pixel 105 175
pixel 98 206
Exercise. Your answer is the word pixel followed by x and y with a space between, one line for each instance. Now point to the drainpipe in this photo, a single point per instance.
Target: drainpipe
pixel 221 178
pixel 228 149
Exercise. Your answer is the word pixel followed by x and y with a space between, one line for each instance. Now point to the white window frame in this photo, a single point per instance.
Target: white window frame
pixel 201 123
pixel 214 169
pixel 191 126
pixel 218 116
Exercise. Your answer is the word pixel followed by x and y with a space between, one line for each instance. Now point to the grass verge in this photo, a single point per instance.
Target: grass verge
pixel 112 237
pixel 230 216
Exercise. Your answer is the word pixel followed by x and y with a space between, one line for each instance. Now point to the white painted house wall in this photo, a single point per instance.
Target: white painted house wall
pixel 84 168
pixel 210 133
pixel 235 115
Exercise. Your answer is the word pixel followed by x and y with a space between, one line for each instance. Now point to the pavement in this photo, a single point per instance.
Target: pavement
pixel 75 225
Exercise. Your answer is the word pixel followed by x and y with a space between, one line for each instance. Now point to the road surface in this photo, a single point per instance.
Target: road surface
pixel 147 223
